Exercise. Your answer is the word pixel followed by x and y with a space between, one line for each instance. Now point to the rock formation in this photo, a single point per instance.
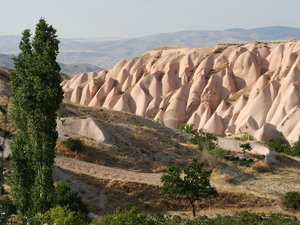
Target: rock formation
pixel 225 89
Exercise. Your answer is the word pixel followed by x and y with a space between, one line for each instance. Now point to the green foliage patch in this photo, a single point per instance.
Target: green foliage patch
pixel 65 197
pixel 132 217
pixel 292 200
pixel 74 144
pixel 7 208
pixel 280 144
pixel 245 137
pixel 203 139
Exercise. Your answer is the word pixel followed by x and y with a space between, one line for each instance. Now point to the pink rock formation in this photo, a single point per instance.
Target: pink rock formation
pixel 225 89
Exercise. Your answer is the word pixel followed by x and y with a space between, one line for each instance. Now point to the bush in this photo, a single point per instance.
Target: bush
pixel 188 128
pixel 131 217
pixel 203 139
pixel 295 151
pixel 238 160
pixel 279 144
pixel 291 200
pixel 244 218
pixel 7 208
pixel 245 137
pixel 64 197
pixel 219 152
pixel 126 217
pixel 62 216
pixel 74 144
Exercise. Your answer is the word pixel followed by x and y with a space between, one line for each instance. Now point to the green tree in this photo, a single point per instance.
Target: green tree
pixel 36 96
pixel 21 173
pixel 192 182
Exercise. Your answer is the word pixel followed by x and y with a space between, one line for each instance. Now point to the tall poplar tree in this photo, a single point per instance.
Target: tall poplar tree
pixel 36 96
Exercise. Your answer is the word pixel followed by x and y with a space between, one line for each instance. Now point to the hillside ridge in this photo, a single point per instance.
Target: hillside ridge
pixel 105 53
pixel 225 89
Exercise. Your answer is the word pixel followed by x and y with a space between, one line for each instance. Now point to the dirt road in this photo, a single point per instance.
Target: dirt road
pixel 104 172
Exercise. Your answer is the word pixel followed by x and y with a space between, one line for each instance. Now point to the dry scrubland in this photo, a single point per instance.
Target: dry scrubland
pixel 110 174
pixel 258 187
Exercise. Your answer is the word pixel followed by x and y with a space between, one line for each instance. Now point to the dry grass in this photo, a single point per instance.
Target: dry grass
pixel 219 49
pixel 5 74
pixel 245 92
pixel 296 84
pixel 261 167
pixel 273 184
pixel 5 123
pixel 125 195
pixel 134 143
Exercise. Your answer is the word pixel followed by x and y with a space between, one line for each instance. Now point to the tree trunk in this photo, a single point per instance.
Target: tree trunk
pixel 193 206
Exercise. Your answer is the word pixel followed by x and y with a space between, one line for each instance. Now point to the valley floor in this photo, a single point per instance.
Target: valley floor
pixel 104 189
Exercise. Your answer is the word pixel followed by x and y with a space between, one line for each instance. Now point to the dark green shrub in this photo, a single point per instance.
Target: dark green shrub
pixel 295 151
pixel 7 208
pixel 219 152
pixel 74 144
pixel 131 217
pixel 238 160
pixel 65 197
pixel 292 200
pixel 188 128
pixel 279 144
pixel 62 216
pixel 126 217
pixel 203 139
pixel 245 147
pixel 279 219
pixel 244 218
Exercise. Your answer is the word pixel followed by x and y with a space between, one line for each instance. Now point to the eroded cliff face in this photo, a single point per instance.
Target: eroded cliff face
pixel 224 89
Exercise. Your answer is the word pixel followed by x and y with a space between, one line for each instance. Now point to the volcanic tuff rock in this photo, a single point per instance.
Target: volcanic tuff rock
pixel 224 89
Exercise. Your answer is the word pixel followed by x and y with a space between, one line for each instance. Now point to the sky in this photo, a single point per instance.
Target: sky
pixel 136 18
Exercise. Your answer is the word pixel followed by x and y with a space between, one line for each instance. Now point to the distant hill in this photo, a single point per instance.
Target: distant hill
pixel 105 53
pixel 78 68
pixel 6 61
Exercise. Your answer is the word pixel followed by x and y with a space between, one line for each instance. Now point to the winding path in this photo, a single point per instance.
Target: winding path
pixel 104 172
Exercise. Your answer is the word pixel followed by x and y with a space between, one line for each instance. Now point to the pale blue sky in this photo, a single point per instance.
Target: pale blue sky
pixel 134 18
